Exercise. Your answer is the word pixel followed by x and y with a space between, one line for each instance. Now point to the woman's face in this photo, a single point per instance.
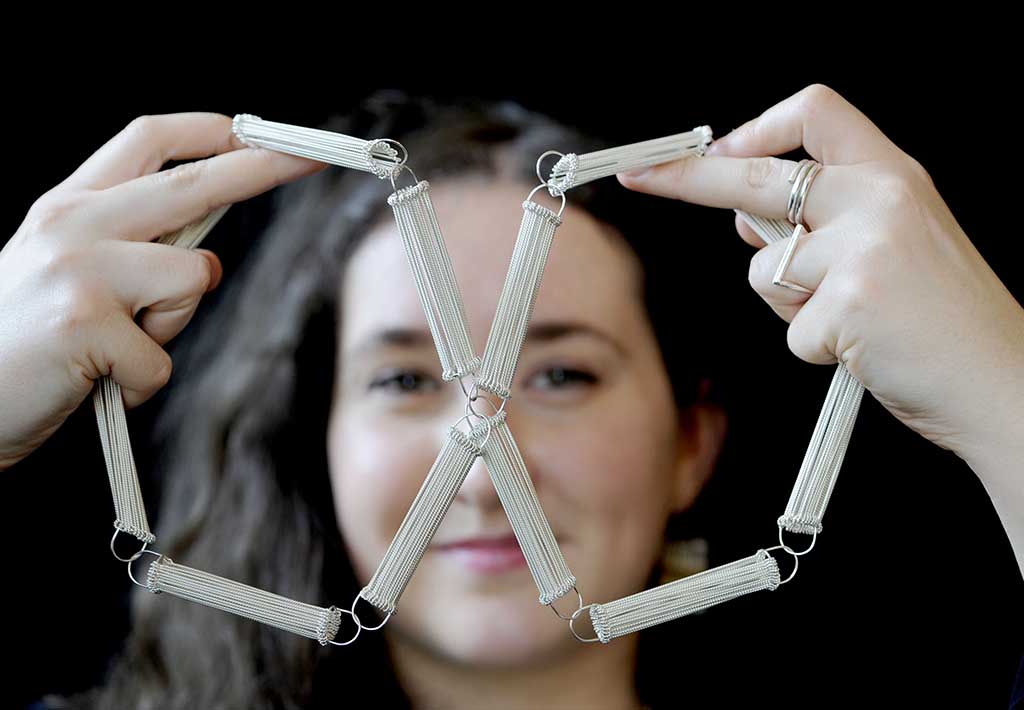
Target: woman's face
pixel 591 412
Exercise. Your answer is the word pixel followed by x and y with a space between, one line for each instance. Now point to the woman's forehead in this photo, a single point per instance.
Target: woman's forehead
pixel 587 276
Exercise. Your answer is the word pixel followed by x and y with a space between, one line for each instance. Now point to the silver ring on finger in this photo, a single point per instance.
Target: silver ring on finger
pixel 778 279
pixel 801 178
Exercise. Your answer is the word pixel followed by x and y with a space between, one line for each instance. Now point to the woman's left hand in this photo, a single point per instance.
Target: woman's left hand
pixel 900 294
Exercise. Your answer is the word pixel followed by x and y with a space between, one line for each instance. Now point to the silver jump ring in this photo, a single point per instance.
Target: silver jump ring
pixel 132 577
pixel 489 421
pixel 544 155
pixel 796 561
pixel 405 153
pixel 560 211
pixel 573 631
pixel 801 177
pixel 398 171
pixel 133 557
pixel 463 386
pixel 497 410
pixel 368 628
pixel 777 279
pixel 813 540
pixel 481 416
pixel 566 618
pixel 359 628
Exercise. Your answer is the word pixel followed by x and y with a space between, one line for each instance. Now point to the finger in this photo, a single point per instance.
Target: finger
pixel 757 185
pixel 786 313
pixel 748 234
pixel 813 332
pixel 145 144
pixel 812 256
pixel 161 277
pixel 137 363
pixel 164 325
pixel 149 206
pixel 831 129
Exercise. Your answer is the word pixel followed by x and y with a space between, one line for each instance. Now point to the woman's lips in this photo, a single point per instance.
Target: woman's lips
pixel 486 556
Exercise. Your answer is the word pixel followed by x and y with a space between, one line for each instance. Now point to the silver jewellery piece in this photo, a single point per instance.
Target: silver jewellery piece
pixel 129 510
pixel 519 499
pixel 572 170
pixel 515 305
pixel 435 279
pixel 784 263
pixel 684 596
pixel 421 521
pixel 490 440
pixel 801 177
pixel 311 621
pixel 377 156
pixel 820 467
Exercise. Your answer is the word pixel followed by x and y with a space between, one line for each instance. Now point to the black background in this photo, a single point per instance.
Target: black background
pixel 912 592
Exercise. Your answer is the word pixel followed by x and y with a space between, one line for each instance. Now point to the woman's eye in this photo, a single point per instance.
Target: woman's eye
pixel 404 381
pixel 557 377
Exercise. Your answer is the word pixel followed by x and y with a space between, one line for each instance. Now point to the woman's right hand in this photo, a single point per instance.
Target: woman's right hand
pixel 82 265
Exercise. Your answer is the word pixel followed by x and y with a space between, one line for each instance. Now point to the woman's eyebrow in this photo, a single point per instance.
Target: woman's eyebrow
pixel 539 332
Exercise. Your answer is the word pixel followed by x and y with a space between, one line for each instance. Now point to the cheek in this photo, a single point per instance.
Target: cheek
pixel 610 463
pixel 374 482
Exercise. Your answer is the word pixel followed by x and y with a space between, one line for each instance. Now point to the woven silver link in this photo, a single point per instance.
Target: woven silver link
pixel 518 294
pixel 435 279
pixel 195 585
pixel 519 499
pixel 684 596
pixel 422 519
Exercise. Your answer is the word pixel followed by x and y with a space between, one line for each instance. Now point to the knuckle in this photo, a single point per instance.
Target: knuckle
pixel 863 281
pixel 143 126
pixel 184 176
pixel 60 263
pixel 797 341
pixel 52 208
pixel 819 93
pixel 895 190
pixel 918 171
pixel 817 97
pixel 79 309
pixel 762 171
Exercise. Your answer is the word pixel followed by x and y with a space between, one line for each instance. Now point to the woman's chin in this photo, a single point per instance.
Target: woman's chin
pixel 495 631
pixel 512 643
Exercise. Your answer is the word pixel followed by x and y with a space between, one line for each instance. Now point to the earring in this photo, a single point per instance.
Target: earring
pixel 681 558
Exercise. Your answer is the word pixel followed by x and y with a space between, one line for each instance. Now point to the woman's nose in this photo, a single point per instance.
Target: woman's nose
pixel 477 489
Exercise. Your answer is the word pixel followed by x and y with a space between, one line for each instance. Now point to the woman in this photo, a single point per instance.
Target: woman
pixel 288 363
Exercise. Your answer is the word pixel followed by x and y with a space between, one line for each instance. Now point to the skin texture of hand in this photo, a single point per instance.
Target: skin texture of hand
pixel 901 295
pixel 82 267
